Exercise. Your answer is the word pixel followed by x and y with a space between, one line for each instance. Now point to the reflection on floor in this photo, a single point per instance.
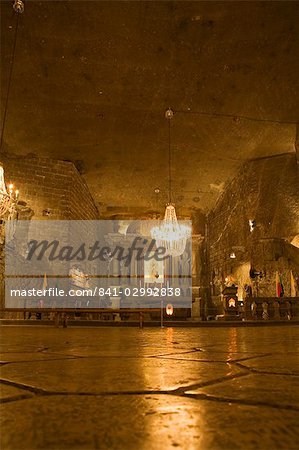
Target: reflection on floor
pixel 125 388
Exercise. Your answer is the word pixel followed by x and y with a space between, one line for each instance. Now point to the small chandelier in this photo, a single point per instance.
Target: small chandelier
pixel 18 6
pixel 8 199
pixel 171 235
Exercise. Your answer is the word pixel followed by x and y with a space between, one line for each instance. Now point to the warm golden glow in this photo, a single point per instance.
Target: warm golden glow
pixel 7 199
pixel 171 235
pixel 169 309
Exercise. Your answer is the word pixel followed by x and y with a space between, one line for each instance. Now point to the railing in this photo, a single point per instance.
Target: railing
pixel 61 315
pixel 271 308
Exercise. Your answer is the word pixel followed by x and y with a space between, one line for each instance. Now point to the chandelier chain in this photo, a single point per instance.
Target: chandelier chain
pixel 171 234
pixel 9 81
pixel 169 164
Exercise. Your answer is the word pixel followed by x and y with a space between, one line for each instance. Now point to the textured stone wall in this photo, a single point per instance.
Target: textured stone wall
pixel 46 184
pixel 53 185
pixel 267 191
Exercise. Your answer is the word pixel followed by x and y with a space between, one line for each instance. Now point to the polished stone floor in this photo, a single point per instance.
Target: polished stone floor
pixel 125 388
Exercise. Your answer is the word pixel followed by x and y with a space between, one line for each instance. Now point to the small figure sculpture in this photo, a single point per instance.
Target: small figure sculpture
pixel 253 310
pixel 265 314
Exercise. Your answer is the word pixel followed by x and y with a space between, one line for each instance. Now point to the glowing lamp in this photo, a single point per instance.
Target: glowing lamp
pixel 169 309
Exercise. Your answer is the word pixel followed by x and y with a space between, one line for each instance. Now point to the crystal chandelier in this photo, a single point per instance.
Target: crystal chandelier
pixel 171 234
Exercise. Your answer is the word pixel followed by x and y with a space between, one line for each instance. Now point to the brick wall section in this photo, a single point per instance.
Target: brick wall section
pixel 81 202
pixel 266 190
pixel 50 184
pixel 47 184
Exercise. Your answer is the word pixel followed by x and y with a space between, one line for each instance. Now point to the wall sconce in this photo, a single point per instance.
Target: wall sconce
pixel 256 273
pixel 8 196
pixel 252 225
pixel 46 212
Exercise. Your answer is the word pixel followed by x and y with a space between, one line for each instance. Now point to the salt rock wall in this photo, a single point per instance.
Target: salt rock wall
pixel 265 191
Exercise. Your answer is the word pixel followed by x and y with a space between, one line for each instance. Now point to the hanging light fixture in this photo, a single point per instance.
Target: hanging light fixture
pixel 171 234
